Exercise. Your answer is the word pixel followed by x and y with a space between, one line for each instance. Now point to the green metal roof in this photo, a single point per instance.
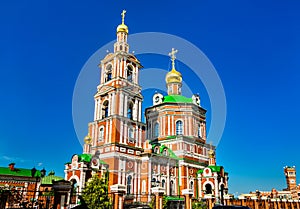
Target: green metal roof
pixel 214 168
pixel 171 137
pixel 161 149
pixel 85 157
pixel 48 179
pixel 174 198
pixel 177 99
pixel 18 172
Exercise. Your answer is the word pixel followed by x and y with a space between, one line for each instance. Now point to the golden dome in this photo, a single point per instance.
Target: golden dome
pixel 87 139
pixel 211 153
pixel 122 28
pixel 173 76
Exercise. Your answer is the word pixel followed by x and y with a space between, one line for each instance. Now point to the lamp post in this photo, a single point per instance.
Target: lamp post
pixel 37 177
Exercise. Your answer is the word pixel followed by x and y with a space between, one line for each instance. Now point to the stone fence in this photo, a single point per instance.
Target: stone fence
pixel 265 203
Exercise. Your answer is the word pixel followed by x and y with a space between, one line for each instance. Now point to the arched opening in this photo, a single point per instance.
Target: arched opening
pixel 129 73
pixel 179 127
pixel 208 189
pixel 130 134
pixel 101 134
pixel 172 191
pixel 105 109
pixel 165 152
pixel 130 111
pixel 192 185
pixel 163 183
pixel 156 130
pixel 199 131
pixel 129 181
pixel 108 74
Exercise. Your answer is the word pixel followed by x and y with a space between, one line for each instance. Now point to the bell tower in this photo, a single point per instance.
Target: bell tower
pixel 117 132
pixel 290 176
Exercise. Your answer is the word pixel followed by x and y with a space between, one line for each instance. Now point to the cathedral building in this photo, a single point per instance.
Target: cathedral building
pixel 169 151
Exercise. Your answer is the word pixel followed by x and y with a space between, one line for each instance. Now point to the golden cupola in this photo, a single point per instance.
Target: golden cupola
pixel 122 27
pixel 173 76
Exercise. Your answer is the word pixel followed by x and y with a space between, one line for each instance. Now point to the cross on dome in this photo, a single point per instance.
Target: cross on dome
pixel 173 57
pixel 123 15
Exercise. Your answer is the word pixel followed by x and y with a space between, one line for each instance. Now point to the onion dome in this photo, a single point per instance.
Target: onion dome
pixel 122 28
pixel 173 77
pixel 87 139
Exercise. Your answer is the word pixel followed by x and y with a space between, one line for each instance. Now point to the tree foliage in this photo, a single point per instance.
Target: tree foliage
pixel 199 205
pixel 95 193
pixel 164 202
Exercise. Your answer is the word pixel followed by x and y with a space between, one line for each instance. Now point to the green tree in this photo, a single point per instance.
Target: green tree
pixel 199 205
pixel 95 193
pixel 164 202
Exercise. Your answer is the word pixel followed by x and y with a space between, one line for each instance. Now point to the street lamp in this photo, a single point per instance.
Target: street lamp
pixel 37 177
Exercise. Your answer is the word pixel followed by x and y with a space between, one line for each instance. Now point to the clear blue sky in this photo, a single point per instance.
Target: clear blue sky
pixel 254 46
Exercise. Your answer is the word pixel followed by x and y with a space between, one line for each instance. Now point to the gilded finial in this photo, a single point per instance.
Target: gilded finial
pixel 173 57
pixel 122 27
pixel 173 76
pixel 123 16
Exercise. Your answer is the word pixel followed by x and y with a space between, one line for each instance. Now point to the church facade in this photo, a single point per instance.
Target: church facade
pixel 168 151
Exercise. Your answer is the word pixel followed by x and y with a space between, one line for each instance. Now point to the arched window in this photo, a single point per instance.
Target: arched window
pixel 144 186
pixel 129 111
pixel 172 191
pixel 156 150
pixel 108 75
pixel 149 131
pixel 179 127
pixel 222 191
pixel 129 73
pixel 199 131
pixel 101 134
pixel 165 152
pixel 156 130
pixel 130 134
pixel 153 182
pixel 129 179
pixel 105 109
pixel 208 189
pixel 163 182
pixel 192 185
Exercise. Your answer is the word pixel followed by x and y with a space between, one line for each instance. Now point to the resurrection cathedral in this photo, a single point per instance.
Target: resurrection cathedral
pixel 168 151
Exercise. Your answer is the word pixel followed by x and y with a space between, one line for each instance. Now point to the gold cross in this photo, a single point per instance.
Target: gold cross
pixel 173 57
pixel 123 16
